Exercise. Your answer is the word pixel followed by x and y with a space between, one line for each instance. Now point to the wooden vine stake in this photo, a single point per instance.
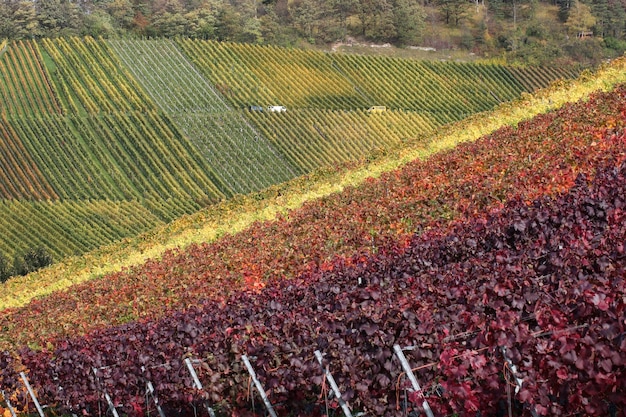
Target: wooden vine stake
pixel 9 406
pixel 258 386
pixel 333 385
pixel 197 383
pixel 407 369
pixel 32 394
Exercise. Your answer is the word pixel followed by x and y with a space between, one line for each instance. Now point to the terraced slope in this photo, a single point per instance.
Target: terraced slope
pixel 539 157
pixel 169 78
pixel 448 90
pixel 21 177
pixel 63 226
pixel 326 96
pixel 249 75
pixel 267 75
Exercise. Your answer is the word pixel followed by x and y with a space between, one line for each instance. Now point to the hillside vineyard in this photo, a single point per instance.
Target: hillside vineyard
pixel 102 140
pixel 500 263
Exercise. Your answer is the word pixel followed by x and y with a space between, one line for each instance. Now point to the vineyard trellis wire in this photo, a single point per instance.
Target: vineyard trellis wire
pixel 420 400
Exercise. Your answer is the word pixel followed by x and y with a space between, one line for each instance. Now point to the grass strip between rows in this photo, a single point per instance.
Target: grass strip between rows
pixel 235 215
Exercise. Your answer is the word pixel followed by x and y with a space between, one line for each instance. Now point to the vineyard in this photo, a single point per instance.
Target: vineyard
pixel 499 265
pixel 25 88
pixel 242 158
pixel 99 144
pixel 311 138
pixel 250 75
pixel 116 219
pixel 166 125
pixel 170 79
pixel 496 267
pixel 443 91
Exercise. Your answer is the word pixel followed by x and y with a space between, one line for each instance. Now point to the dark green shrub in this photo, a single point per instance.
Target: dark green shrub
pixel 33 260
pixel 5 268
pixel 615 44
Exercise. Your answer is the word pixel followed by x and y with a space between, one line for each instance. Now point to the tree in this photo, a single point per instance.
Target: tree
pixel 168 24
pixel 202 21
pixel 453 11
pixel 317 20
pixel 122 13
pixel 18 19
pixel 228 25
pixel 305 16
pixel 98 23
pixel 251 32
pixel 249 13
pixel 59 18
pixel 610 16
pixel 33 260
pixel 342 10
pixel 580 18
pixel 5 269
pixel 409 20
pixel 377 19
pixel 564 7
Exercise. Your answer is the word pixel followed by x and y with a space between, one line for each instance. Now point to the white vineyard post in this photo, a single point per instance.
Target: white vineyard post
pixel 6 400
pixel 518 380
pixel 407 369
pixel 258 386
pixel 32 394
pixel 111 405
pixel 197 383
pixel 107 397
pixel 150 389
pixel 333 385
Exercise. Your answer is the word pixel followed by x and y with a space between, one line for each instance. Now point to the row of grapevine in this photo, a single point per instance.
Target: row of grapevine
pixel 313 138
pixel 89 71
pixel 539 287
pixel 67 228
pixel 25 89
pixel 172 81
pixel 111 142
pixel 153 156
pixel 539 77
pixel 254 75
pixel 96 137
pixel 20 177
pixel 454 88
pixel 133 156
pixel 243 158
pixel 539 157
pixel 268 75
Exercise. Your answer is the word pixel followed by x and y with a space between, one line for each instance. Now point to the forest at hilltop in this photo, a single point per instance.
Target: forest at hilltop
pixel 528 31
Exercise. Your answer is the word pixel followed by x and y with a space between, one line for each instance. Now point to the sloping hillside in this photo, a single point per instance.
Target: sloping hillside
pixel 505 253
pixel 88 133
